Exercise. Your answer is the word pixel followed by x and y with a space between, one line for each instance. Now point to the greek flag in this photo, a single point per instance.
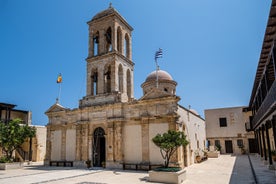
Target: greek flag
pixel 158 54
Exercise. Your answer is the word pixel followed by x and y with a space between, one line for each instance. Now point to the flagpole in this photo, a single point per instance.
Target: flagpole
pixel 59 92
pixel 59 81
pixel 158 54
pixel 157 68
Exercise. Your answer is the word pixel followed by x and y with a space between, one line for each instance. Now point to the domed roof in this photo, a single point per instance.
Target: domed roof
pixel 162 75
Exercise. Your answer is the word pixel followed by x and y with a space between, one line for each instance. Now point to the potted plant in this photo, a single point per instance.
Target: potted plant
pixel 218 147
pixel 197 156
pixel 103 164
pixel 242 149
pixel 88 163
pixel 168 144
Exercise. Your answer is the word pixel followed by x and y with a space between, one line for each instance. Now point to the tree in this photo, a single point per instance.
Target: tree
pixel 168 144
pixel 13 134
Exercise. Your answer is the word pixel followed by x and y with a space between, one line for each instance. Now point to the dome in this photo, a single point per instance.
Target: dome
pixel 162 75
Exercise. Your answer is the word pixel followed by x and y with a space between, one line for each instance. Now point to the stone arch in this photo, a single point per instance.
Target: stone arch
pixel 96 41
pixel 98 145
pixel 121 78
pixel 119 40
pixel 94 82
pixel 127 46
pixel 108 40
pixel 107 78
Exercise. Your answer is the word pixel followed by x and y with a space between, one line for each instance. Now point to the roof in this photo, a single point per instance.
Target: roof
pixel 6 105
pixel 266 48
pixel 110 11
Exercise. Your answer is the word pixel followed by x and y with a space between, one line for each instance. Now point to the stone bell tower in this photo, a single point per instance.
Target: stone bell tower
pixel 109 61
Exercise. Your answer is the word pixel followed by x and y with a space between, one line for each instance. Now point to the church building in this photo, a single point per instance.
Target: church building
pixel 110 127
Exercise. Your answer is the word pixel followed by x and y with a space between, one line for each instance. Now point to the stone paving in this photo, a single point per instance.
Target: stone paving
pixel 226 169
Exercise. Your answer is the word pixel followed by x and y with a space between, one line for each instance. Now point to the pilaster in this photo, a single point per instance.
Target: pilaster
pixel 110 142
pixel 63 143
pixel 118 142
pixel 145 139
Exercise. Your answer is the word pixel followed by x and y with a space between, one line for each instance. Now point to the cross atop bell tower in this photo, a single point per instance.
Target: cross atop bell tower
pixel 109 61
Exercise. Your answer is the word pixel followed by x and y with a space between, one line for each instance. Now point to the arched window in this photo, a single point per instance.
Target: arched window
pixel 127 46
pixel 108 37
pixel 121 77
pixel 119 40
pixel 94 84
pixel 107 79
pixel 96 39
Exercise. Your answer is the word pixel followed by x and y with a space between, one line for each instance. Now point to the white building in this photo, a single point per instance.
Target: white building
pixel 226 127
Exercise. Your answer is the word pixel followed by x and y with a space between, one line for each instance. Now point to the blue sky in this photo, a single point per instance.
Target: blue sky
pixel 211 48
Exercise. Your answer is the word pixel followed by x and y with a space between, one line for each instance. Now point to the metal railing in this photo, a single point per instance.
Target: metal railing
pixel 266 106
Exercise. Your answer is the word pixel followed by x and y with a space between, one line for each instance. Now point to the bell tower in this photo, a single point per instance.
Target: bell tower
pixel 109 62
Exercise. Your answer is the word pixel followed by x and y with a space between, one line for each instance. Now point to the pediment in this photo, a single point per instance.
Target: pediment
pixel 55 108
pixel 155 93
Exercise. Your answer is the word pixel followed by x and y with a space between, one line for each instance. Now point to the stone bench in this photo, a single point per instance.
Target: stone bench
pixel 139 166
pixel 61 163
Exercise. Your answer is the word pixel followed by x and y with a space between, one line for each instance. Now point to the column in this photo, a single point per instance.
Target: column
pixel 257 140
pixel 102 40
pixel 91 44
pixel 114 37
pixel 267 126
pixel 260 142
pixel 274 130
pixel 263 138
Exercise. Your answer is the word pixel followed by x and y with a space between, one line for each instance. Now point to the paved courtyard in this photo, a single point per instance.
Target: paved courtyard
pixel 223 170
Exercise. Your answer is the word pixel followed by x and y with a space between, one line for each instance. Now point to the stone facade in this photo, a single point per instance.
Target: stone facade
pixel 110 127
pixel 226 127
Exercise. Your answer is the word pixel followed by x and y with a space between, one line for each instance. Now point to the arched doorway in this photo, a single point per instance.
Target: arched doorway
pixel 98 147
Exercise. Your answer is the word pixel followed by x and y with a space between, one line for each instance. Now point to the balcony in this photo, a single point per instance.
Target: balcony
pixel 267 106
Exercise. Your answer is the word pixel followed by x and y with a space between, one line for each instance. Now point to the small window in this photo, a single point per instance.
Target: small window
pixel 222 122
pixel 240 143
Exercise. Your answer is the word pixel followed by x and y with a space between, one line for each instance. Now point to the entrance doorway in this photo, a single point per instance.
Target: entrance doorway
pixel 98 147
pixel 253 146
pixel 228 146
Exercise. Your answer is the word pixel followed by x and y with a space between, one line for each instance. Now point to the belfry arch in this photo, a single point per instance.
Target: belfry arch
pixel 108 40
pixel 107 79
pixel 119 40
pixel 96 41
pixel 127 46
pixel 94 82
